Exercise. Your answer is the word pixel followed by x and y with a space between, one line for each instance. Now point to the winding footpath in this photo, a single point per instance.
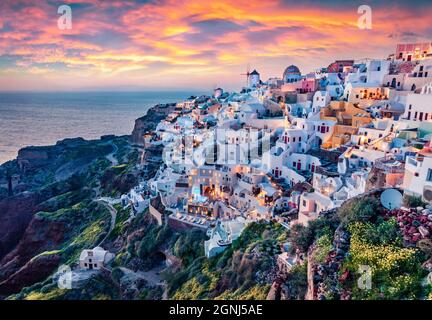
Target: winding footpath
pixel 111 158
pixel 113 212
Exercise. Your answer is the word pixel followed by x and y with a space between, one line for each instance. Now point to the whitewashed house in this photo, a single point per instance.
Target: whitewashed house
pixel 94 259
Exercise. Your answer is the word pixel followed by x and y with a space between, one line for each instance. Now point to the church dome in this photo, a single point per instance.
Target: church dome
pixel 292 69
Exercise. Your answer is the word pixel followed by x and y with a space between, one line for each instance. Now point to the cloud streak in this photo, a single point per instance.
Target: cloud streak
pixel 190 43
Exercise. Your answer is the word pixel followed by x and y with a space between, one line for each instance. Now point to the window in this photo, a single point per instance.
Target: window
pixel 304 203
pixel 429 175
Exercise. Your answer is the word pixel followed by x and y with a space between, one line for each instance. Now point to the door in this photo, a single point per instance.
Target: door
pixel 90 266
pixel 299 165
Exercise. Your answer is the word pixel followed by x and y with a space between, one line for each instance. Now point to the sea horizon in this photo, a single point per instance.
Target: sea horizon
pixel 36 118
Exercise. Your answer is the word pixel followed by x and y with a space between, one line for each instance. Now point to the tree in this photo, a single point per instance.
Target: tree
pixel 301 237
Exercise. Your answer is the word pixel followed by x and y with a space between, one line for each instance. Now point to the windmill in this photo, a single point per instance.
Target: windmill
pixel 247 74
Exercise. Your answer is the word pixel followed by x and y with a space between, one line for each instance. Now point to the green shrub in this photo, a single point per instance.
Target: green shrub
pixel 362 210
pixel 413 201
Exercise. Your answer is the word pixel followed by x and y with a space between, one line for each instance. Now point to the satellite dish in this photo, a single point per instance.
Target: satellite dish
pixel 391 199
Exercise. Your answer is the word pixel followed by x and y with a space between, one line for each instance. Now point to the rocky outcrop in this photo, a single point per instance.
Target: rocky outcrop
pixel 33 271
pixel 15 215
pixel 323 278
pixel 311 290
pixel 41 235
pixel 150 121
pixel 35 157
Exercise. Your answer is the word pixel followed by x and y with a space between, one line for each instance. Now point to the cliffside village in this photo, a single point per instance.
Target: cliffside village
pixel 290 148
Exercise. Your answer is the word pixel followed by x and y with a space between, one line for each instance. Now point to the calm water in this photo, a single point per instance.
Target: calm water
pixel 44 118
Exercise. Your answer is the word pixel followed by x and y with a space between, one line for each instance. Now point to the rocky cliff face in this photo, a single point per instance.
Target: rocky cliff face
pixel 24 235
pixel 15 215
pixel 150 121
pixel 33 271
pixel 18 268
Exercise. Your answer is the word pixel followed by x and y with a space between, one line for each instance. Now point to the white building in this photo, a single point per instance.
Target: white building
pixel 418 176
pixel 376 70
pixel 222 236
pixel 94 259
pixel 320 100
pixel 419 105
pixel 254 79
pixel 311 204
pixel 218 92
pixel 365 93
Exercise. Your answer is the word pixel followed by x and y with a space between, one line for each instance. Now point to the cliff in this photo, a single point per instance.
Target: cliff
pixel 149 122
pixel 22 266
pixel 52 206
pixel 15 215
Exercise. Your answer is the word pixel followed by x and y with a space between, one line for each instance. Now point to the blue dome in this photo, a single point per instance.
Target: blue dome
pixel 292 69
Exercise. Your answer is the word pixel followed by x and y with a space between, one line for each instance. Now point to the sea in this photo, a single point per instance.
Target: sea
pixel 38 119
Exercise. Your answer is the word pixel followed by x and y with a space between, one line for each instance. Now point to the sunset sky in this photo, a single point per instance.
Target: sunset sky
pixel 196 44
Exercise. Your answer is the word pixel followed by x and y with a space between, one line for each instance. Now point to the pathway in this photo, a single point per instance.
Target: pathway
pixel 152 277
pixel 110 157
pixel 113 213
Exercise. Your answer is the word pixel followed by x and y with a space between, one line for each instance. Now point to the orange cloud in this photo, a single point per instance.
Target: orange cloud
pixel 166 41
